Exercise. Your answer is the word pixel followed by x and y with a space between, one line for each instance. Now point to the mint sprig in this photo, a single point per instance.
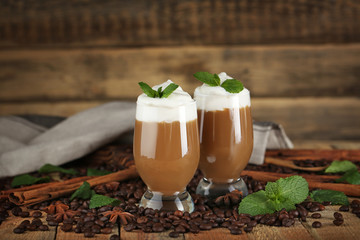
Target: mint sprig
pixel 27 179
pixel 98 200
pixel 335 197
pixel 351 175
pixel 213 80
pixel 48 168
pixel 83 192
pixel 159 93
pixel 284 193
pixel 96 172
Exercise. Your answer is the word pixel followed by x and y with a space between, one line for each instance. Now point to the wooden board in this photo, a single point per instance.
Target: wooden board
pixel 91 74
pixel 64 23
pixel 302 118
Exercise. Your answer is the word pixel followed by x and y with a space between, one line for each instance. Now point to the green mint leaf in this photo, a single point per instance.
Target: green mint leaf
pixel 169 90
pixel 340 166
pixel 335 197
pixel 294 189
pixel 83 192
pixel 148 90
pixel 159 92
pixel 96 172
pixel 27 179
pixel 48 168
pixel 208 78
pixel 232 86
pixel 101 200
pixel 272 191
pixel 351 176
pixel 256 203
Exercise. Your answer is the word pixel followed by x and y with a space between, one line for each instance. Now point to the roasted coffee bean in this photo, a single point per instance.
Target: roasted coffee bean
pixel 180 229
pixel 53 223
pixel 31 227
pixel 294 213
pixel 314 208
pixel 88 224
pixel 355 204
pixel 25 222
pixel 109 225
pixel 338 222
pixel 302 211
pixel 89 234
pixel 225 224
pixel 158 227
pixel 149 211
pixel 316 215
pixel 89 219
pixel 287 222
pixel 194 228
pixel 43 228
pixel 16 210
pixel 205 226
pixel 24 214
pixel 77 230
pixel 129 227
pixel 326 203
pixel 195 215
pixel 66 227
pixel 18 230
pixel 114 237
pixel 248 229
pixel 99 222
pixel 338 216
pixel 344 208
pixel 36 214
pixel 96 229
pixel 356 210
pixel 178 213
pixel 316 224
pixel 321 207
pixel 173 234
pixel 235 231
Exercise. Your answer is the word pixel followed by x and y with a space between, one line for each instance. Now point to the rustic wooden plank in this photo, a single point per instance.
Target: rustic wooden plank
pixel 60 234
pixel 140 235
pixel 64 23
pixel 281 71
pixel 302 118
pixel 348 230
pixel 214 234
pixel 280 233
pixel 7 227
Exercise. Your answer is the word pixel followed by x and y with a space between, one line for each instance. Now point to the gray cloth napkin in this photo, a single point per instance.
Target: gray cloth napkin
pixel 27 144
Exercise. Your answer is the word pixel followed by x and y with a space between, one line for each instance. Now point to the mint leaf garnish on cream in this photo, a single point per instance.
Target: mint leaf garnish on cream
pixel 213 80
pixel 159 93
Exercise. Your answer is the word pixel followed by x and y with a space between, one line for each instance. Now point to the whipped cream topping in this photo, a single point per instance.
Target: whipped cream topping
pixel 217 98
pixel 179 106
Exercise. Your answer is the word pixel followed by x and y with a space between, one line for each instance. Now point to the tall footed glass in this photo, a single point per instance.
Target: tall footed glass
pixel 226 142
pixel 166 151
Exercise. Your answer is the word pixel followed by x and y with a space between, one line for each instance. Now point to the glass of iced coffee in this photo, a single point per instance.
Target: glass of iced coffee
pixel 166 148
pixel 226 135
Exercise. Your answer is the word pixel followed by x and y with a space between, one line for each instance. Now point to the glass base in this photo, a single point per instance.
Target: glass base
pixel 155 200
pixel 213 190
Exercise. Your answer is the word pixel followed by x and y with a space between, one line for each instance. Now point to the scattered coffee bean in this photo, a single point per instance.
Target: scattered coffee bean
pixel 158 227
pixel 316 224
pixel 66 227
pixel 205 226
pixel 236 231
pixel 36 214
pixel 316 215
pixel 338 222
pixel 338 216
pixel 89 234
pixel 18 230
pixel 344 208
pixel 43 228
pixel 173 234
pixel 16 210
pixel 248 229
pixel 24 214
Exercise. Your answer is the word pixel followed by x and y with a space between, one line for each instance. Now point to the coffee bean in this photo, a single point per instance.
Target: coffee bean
pixel 294 213
pixel 25 222
pixel 89 234
pixel 36 214
pixel 16 210
pixel 314 208
pixel 173 234
pixel 31 227
pixel 66 227
pixel 180 229
pixel 344 208
pixel 338 216
pixel 195 215
pixel 316 215
pixel 24 214
pixel 326 203
pixel 316 224
pixel 236 231
pixel 77 230
pixel 114 237
pixel 178 213
pixel 355 203
pixel 287 222
pixel 158 227
pixel 53 223
pixel 248 229
pixel 43 228
pixel 338 222
pixel 96 229
pixel 205 226
pixel 18 230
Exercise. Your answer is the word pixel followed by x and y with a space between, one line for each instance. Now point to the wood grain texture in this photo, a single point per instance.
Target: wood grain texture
pixel 282 71
pixel 84 23
pixel 215 234
pixel 140 235
pixel 60 234
pixel 302 118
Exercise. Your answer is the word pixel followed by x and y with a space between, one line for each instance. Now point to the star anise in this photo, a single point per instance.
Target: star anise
pixel 60 211
pixel 229 199
pixel 116 213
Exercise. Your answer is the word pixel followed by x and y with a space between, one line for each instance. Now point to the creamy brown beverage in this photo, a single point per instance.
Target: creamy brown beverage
pixel 166 147
pixel 226 142
pixel 166 154
pixel 226 134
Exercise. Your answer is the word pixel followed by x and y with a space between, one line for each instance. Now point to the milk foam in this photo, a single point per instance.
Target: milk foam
pixel 179 106
pixel 217 98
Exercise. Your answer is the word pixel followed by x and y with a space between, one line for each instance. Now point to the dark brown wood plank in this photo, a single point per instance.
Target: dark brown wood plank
pixel 282 71
pixel 302 118
pixel 82 23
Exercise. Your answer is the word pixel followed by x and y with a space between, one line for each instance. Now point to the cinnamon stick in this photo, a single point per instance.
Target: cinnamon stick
pixel 314 154
pixel 313 180
pixel 58 189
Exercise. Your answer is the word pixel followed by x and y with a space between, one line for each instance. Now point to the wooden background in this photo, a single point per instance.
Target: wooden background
pixel 300 59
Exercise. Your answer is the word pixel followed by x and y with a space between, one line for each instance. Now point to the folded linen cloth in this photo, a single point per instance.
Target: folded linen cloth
pixel 28 143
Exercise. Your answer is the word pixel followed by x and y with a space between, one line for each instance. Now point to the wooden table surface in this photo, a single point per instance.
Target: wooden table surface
pixel 350 229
